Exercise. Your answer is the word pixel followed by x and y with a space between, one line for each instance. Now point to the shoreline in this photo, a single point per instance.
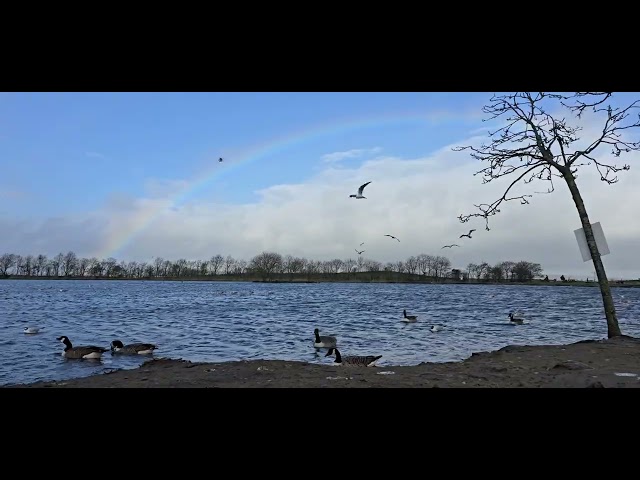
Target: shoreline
pixel 607 363
pixel 373 277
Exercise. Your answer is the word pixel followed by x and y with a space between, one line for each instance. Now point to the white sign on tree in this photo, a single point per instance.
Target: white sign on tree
pixel 601 242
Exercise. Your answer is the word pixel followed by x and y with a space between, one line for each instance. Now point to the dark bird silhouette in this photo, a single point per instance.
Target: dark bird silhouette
pixel 360 190
pixel 386 235
pixel 362 244
pixel 359 253
pixel 452 245
pixel 220 159
pixel 468 234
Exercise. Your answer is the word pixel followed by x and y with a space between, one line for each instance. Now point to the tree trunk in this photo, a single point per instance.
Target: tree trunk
pixel 613 329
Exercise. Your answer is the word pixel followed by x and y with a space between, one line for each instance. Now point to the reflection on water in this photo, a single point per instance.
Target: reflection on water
pixel 215 321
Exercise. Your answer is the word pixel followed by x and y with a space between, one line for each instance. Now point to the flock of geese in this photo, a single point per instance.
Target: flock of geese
pixel 320 341
pixel 93 352
pixel 360 195
pixel 330 343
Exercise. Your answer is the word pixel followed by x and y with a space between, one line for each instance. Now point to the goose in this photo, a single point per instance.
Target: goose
pixel 355 360
pixel 90 351
pixel 32 330
pixel 516 319
pixel 435 328
pixel 323 341
pixel 360 190
pixel 132 348
pixel 409 318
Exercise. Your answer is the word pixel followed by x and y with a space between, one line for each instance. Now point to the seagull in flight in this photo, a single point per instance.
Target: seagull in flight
pixel 468 234
pixel 452 245
pixel 360 190
pixel 392 237
pixel 359 253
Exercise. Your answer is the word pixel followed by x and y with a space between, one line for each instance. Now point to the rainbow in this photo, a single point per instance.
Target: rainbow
pixel 118 240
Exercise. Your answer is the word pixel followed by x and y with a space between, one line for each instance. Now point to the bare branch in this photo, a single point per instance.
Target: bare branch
pixel 534 144
pixel 487 210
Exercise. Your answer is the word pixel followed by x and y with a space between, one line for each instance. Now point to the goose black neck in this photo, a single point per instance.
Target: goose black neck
pixel 67 344
pixel 317 336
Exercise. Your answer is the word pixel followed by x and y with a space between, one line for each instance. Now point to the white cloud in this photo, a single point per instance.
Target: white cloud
pixel 353 153
pixel 417 200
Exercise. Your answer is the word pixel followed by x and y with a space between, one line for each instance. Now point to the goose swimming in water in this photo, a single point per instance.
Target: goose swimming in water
pixel 354 360
pixel 32 330
pixel 516 319
pixel 323 341
pixel 409 318
pixel 90 351
pixel 132 348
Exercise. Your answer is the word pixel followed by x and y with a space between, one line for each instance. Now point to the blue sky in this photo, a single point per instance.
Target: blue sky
pixel 69 151
pixel 136 167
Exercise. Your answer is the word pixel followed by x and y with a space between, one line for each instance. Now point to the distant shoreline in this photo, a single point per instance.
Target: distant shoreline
pixel 360 277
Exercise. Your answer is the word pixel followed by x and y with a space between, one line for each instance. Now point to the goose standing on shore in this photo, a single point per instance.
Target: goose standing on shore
pixel 353 360
pixel 132 348
pixel 409 318
pixel 323 341
pixel 89 351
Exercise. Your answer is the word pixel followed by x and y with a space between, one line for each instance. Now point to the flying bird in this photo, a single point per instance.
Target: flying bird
pixel 220 159
pixel 360 190
pixel 392 237
pixel 359 253
pixel 362 244
pixel 452 245
pixel 468 234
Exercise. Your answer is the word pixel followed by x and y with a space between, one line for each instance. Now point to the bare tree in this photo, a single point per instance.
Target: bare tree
pixel 56 263
pixel 41 261
pixel 239 266
pixel 534 144
pixel 69 263
pixel 348 265
pixel 507 268
pixel 266 263
pixel 411 265
pixel 7 261
pixel 158 264
pixel 215 264
pixel 83 264
pixel 229 262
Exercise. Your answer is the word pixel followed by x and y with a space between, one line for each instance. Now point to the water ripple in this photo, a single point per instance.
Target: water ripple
pixel 211 321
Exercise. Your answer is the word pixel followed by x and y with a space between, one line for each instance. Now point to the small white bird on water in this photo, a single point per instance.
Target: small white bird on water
pixel 435 328
pixel 32 330
pixel 360 190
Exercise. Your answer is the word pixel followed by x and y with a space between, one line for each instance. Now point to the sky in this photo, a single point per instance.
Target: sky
pixel 134 175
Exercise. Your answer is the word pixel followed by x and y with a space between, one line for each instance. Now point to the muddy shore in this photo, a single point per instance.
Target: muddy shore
pixel 608 363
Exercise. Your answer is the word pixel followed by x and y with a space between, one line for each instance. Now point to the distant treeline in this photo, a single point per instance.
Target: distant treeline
pixel 266 265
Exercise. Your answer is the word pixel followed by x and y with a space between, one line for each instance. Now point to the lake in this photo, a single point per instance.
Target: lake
pixel 223 321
